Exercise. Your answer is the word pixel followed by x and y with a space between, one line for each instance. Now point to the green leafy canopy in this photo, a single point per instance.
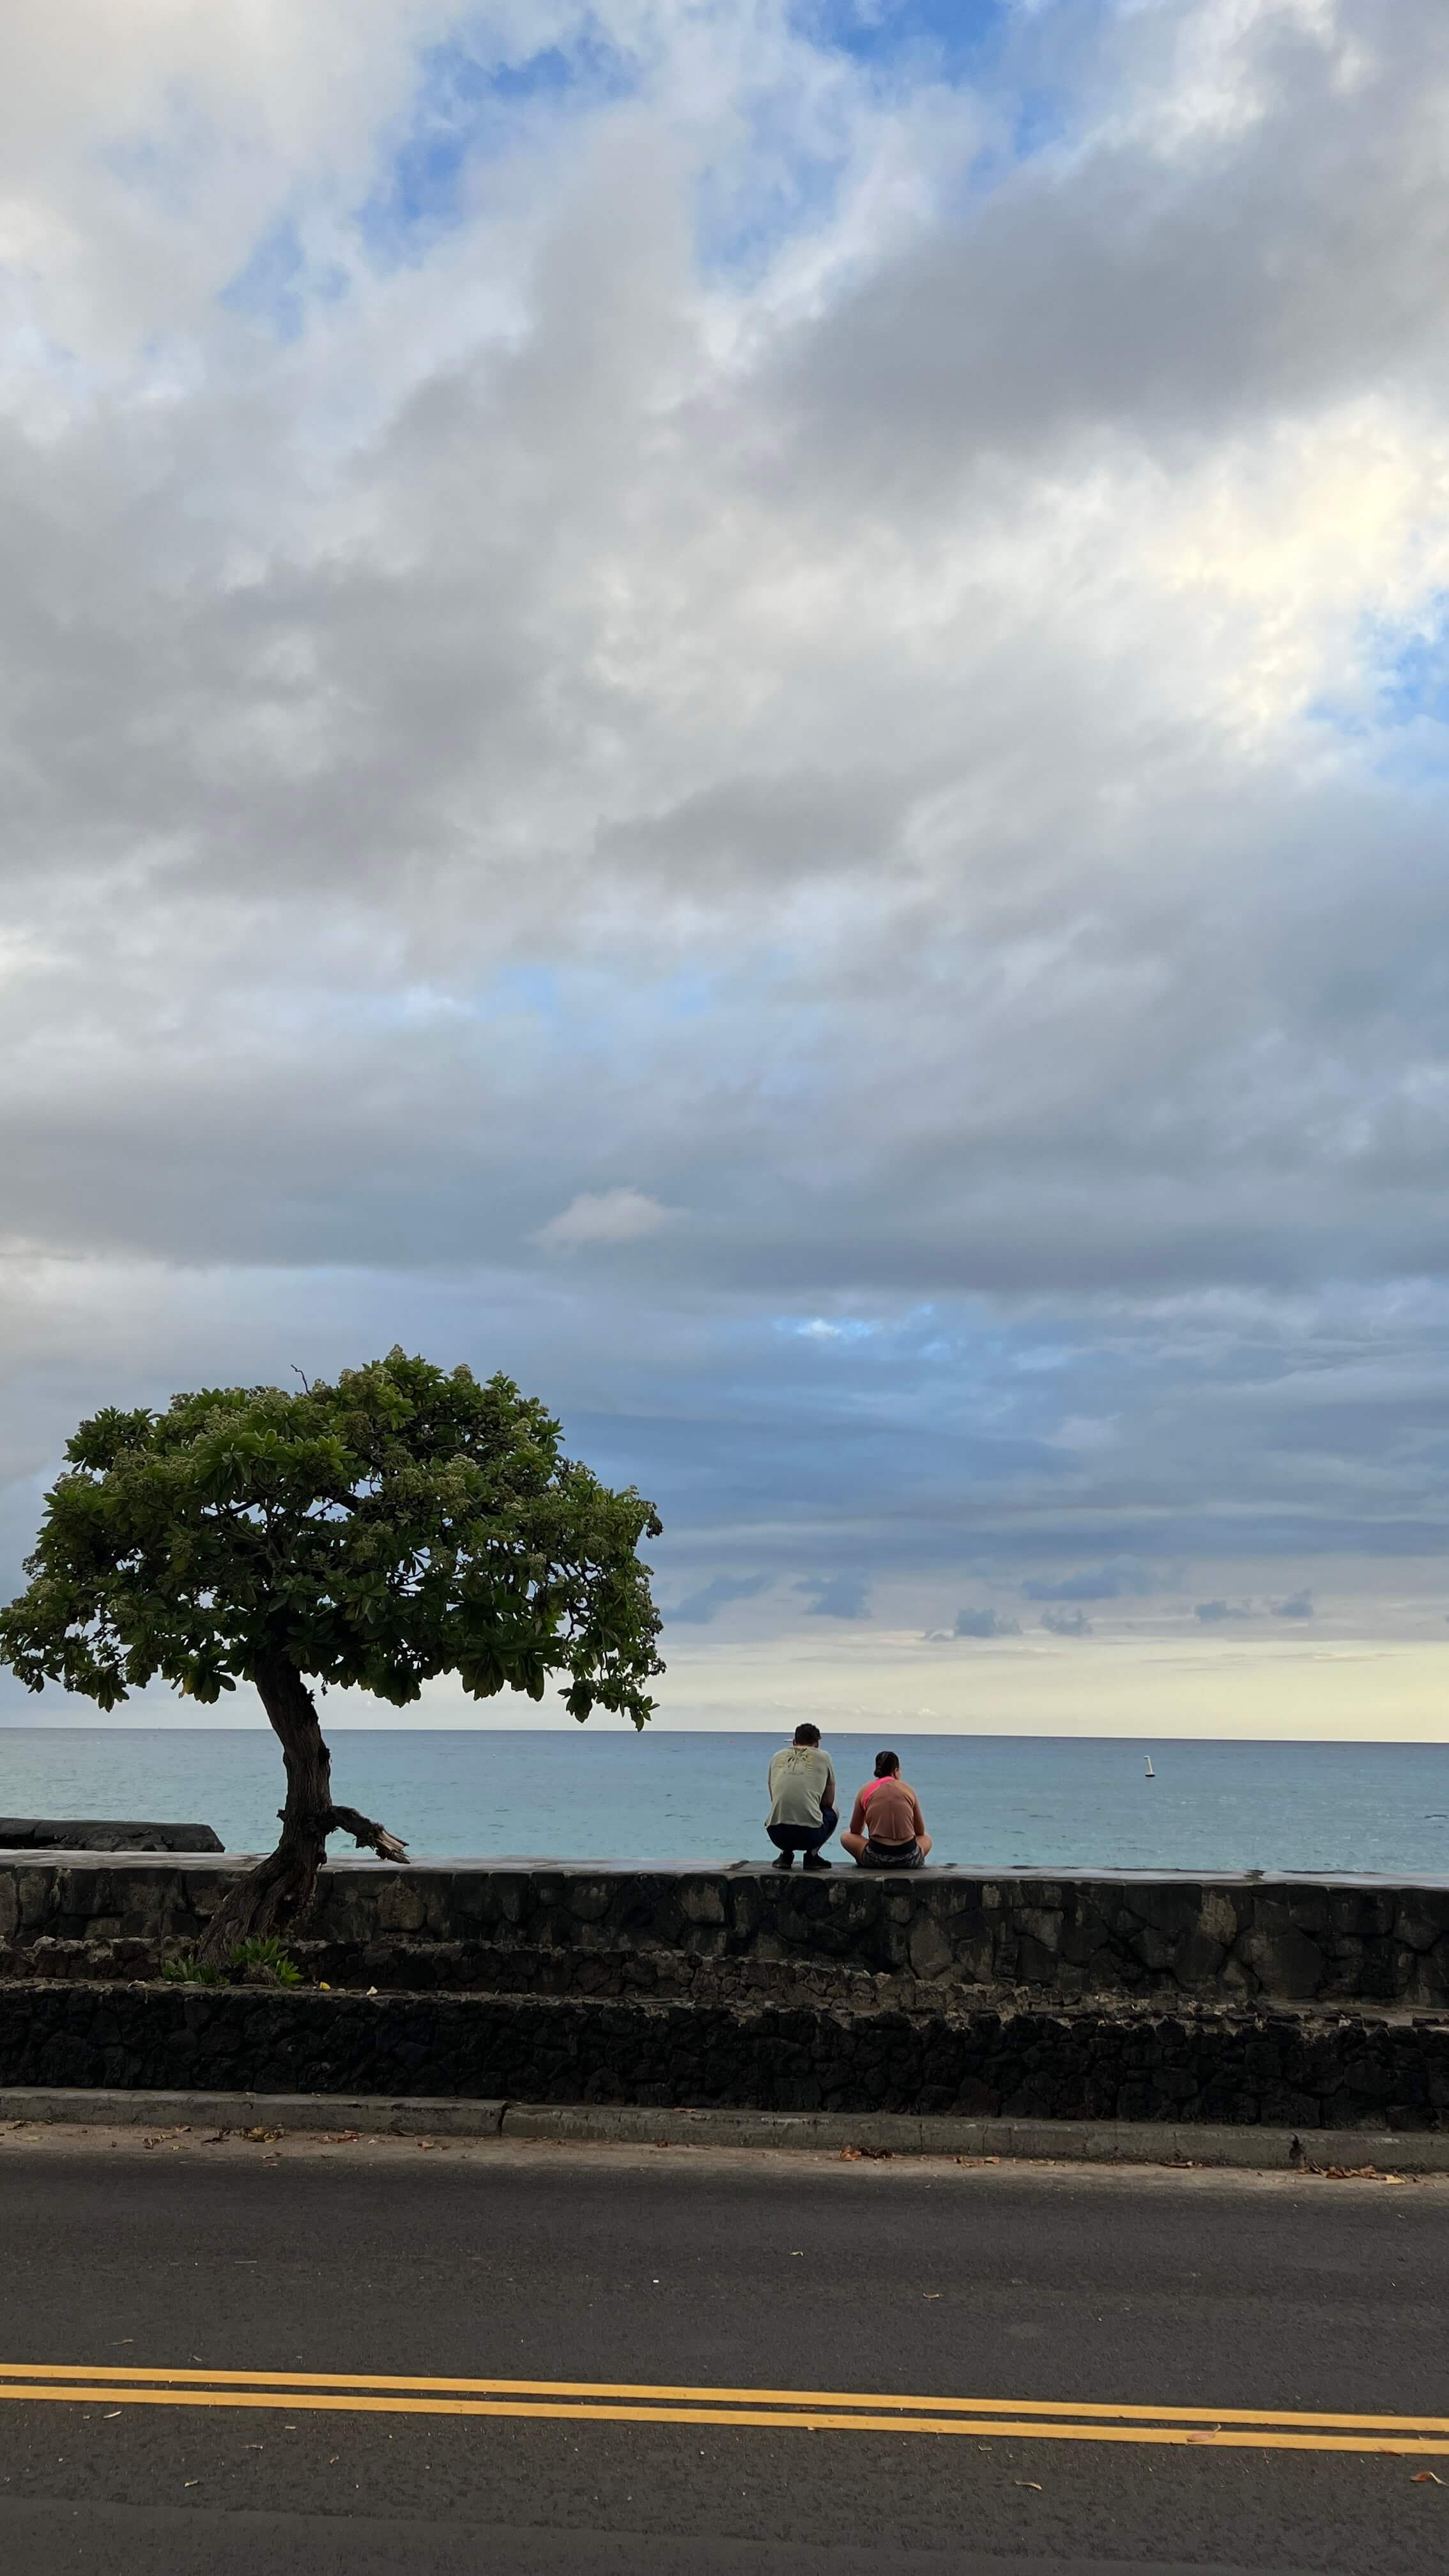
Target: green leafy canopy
pixel 402 1523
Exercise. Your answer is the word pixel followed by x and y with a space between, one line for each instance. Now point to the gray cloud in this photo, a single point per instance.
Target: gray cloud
pixel 1174 293
pixel 1067 1623
pixel 1213 1613
pixel 834 1596
pixel 1298 1605
pixel 697 1609
pixel 603 1216
pixel 985 1623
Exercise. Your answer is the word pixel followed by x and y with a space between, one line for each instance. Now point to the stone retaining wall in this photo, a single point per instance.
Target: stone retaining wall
pixel 1230 1937
pixel 1283 2068
pixel 103 1834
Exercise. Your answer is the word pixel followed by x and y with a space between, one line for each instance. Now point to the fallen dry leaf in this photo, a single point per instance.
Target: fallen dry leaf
pixel 849 2156
pixel 1033 2483
pixel 1425 2478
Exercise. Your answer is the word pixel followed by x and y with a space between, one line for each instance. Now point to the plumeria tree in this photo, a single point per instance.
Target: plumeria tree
pixel 364 1536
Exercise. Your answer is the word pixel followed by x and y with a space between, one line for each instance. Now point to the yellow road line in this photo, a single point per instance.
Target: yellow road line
pixel 1276 2435
pixel 96 2373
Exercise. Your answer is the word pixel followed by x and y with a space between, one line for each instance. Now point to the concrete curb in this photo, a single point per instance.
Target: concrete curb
pixel 1100 2142
pixel 52 2105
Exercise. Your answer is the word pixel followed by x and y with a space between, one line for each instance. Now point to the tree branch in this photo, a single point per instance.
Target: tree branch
pixel 347 1820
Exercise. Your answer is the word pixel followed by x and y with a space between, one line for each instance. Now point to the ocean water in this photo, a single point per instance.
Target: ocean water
pixel 991 1801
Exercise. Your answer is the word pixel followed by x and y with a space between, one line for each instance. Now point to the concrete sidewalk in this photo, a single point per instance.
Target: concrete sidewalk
pixel 1407 2151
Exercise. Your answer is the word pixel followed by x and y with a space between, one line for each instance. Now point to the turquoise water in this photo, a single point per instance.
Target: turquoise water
pixel 992 1801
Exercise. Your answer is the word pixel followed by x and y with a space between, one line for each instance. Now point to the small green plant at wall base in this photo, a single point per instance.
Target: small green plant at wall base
pixel 267 1953
pixel 185 1972
pixel 190 1971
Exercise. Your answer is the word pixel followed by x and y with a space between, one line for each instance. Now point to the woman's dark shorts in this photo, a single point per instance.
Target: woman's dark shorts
pixel 893 1855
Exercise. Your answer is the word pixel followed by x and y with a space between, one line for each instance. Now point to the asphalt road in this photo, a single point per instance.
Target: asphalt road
pixel 649 2271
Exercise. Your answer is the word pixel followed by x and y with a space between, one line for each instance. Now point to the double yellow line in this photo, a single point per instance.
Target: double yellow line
pixel 801 2410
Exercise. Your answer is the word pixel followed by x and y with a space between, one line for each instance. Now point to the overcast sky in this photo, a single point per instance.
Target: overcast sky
pixel 745 708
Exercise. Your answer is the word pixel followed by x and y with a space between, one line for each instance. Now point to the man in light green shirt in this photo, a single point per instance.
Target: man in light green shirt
pixel 802 1800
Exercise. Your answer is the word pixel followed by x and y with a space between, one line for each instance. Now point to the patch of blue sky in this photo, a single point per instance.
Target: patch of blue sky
pixel 948 1338
pixel 689 994
pixel 1414 671
pixel 785 183
pixel 1040 119
pixel 905 44
pixel 838 1329
pixel 585 1008
pixel 915 39
pixel 468 107
pixel 280 284
pixel 941 1373
pixel 779 189
pixel 953 1366
pixel 781 186
pixel 280 279
pixel 526 986
pixel 164 164
pixel 1401 711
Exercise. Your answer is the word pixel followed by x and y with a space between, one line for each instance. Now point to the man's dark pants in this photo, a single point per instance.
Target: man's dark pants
pixel 804 1838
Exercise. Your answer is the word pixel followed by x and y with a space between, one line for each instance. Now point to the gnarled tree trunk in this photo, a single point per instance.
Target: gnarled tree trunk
pixel 280 1889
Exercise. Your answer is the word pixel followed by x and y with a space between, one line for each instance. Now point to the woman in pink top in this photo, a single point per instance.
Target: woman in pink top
pixel 887 1828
